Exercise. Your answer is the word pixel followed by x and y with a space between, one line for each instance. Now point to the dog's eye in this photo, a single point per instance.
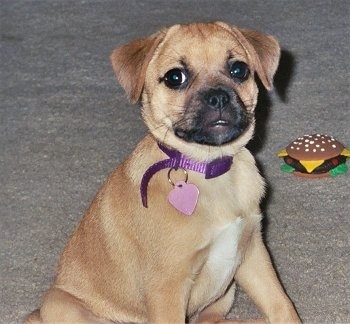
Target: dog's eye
pixel 175 78
pixel 239 71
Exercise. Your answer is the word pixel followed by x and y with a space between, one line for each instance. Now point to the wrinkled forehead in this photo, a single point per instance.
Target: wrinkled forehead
pixel 200 45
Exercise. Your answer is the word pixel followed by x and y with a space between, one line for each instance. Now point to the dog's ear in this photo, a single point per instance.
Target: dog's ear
pixel 268 52
pixel 262 49
pixel 130 63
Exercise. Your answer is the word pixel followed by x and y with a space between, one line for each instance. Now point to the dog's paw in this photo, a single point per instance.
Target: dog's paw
pixel 253 321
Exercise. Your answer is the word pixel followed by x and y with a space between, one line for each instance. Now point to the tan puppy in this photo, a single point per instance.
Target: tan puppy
pixel 176 225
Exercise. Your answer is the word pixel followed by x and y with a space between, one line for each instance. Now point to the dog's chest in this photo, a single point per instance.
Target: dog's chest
pixel 223 254
pixel 221 262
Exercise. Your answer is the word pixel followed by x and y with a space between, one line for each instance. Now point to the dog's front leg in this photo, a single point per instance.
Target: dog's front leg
pixel 166 301
pixel 259 280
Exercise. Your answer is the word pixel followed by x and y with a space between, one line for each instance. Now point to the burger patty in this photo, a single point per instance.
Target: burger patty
pixel 323 168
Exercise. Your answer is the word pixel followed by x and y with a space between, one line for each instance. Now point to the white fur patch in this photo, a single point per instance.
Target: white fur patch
pixel 223 258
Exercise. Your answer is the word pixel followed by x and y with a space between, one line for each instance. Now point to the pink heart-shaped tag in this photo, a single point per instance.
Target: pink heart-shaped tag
pixel 184 197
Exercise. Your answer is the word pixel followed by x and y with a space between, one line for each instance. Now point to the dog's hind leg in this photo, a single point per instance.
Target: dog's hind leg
pixel 216 312
pixel 60 306
pixel 33 318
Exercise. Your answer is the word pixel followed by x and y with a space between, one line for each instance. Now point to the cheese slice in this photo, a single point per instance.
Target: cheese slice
pixel 345 152
pixel 311 165
pixel 282 153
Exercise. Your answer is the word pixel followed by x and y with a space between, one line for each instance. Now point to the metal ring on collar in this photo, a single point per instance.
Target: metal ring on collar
pixel 169 173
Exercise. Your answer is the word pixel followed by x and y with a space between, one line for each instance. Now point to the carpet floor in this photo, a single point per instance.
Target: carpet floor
pixel 65 124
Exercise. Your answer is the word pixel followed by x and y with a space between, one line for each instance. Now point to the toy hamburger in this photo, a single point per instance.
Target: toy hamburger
pixel 315 155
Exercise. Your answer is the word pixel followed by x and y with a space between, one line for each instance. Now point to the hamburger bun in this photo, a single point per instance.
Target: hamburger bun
pixel 315 155
pixel 314 147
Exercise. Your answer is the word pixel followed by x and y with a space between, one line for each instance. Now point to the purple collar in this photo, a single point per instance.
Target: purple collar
pixel 177 160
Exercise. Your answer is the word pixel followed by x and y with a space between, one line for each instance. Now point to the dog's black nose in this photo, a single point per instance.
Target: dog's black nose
pixel 217 98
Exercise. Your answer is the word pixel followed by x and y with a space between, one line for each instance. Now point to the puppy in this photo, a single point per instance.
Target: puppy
pixel 177 224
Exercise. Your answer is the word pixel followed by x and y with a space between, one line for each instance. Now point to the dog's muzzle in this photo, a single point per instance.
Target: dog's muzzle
pixel 215 117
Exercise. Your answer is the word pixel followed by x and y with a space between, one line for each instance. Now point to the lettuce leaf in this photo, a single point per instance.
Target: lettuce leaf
pixel 287 168
pixel 340 169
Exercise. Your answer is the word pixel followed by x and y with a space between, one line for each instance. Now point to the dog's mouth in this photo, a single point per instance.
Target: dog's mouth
pixel 215 116
pixel 214 132
pixel 219 123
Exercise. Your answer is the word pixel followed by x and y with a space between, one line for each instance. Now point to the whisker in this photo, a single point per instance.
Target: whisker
pixel 192 81
pixel 175 57
pixel 165 134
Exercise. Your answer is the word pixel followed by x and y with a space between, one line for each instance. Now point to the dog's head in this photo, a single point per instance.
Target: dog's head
pixel 196 84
